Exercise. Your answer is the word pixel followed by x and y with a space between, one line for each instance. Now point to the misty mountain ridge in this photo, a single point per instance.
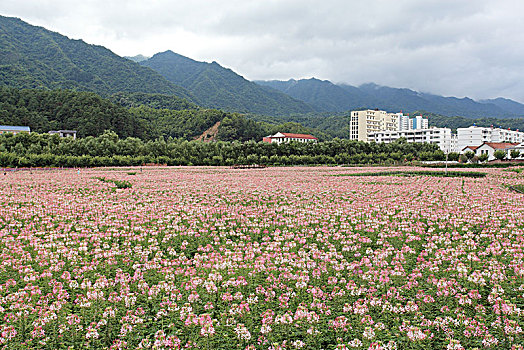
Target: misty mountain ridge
pixel 219 87
pixel 137 58
pixel 329 97
pixel 36 58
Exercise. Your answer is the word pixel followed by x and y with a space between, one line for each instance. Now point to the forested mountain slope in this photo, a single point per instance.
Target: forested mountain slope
pixel 217 87
pixel 34 57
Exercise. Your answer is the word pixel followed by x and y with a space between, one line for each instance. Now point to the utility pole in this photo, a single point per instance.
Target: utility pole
pixel 447 151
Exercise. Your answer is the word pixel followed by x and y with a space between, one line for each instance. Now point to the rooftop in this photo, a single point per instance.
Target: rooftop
pixel 293 136
pixel 500 145
pixel 14 128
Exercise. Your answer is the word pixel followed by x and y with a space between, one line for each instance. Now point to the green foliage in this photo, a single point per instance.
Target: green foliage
pixel 483 157
pixel 90 114
pixel 469 155
pixel 453 156
pixel 420 172
pixel 499 154
pixel 120 184
pixel 473 165
pixel 44 150
pixel 516 188
pixel 85 112
pixel 323 126
pixel 239 128
pixel 156 101
pixel 186 124
pixel 515 153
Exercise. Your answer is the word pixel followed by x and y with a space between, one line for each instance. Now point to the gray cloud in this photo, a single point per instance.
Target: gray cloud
pixel 449 47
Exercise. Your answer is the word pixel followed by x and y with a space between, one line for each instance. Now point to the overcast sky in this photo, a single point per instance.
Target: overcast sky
pixel 457 48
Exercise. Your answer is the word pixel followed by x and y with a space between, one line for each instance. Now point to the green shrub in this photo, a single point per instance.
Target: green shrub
pixel 118 183
pixel 516 188
pixel 443 173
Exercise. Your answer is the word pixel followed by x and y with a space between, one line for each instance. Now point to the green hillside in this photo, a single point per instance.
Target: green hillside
pixel 156 101
pixel 217 87
pixel 85 112
pixel 146 116
pixel 33 57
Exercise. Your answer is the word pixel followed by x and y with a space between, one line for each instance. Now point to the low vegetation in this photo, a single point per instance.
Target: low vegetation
pixel 120 184
pixel 516 188
pixel 442 173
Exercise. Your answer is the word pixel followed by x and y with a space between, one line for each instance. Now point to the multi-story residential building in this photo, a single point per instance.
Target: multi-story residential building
pixel 418 123
pixel 362 123
pixel 13 129
pixel 508 136
pixel 403 122
pixel 476 136
pixel 439 136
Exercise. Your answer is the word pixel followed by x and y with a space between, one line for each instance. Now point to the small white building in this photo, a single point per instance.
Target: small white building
pixel 284 137
pixel 439 136
pixel 64 133
pixel 14 129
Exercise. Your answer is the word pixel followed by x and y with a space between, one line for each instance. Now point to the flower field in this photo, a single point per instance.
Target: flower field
pixel 277 258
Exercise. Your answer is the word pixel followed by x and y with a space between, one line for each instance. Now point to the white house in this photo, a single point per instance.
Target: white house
pixel 283 137
pixel 490 148
pixel 64 133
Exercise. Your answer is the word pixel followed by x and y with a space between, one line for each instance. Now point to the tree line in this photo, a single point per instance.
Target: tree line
pixel 108 149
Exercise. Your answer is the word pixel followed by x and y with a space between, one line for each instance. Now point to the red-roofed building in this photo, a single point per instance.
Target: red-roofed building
pixel 489 148
pixel 469 148
pixel 282 137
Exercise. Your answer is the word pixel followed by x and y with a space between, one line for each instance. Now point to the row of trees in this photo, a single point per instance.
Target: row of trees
pixel 109 150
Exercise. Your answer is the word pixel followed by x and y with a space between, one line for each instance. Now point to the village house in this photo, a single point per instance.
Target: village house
pixel 64 133
pixel 490 148
pixel 283 137
pixel 468 149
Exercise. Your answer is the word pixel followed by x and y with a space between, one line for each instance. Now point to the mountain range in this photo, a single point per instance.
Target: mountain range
pixel 218 87
pixel 329 97
pixel 34 57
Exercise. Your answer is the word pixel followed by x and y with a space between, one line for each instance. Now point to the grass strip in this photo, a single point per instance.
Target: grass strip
pixel 472 174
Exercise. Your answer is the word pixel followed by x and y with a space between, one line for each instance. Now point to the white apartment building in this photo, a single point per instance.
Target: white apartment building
pixel 403 122
pixel 476 136
pixel 439 136
pixel 363 123
pixel 418 123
